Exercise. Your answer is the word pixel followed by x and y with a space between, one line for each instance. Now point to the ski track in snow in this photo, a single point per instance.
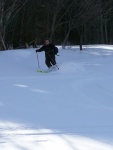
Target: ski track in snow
pixel 70 109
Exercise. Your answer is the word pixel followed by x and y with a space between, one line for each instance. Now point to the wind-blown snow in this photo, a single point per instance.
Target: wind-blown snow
pixel 69 109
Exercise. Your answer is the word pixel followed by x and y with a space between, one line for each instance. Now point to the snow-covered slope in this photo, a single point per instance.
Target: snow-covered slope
pixel 69 109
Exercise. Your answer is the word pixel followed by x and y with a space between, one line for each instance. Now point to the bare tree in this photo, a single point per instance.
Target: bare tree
pixel 8 10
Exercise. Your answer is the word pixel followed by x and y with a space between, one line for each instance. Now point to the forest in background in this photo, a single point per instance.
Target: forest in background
pixel 65 22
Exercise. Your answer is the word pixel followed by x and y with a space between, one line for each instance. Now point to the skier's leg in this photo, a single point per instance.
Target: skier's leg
pixel 52 59
pixel 53 62
pixel 48 62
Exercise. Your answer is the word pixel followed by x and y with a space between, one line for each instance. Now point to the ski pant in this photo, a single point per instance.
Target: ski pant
pixel 50 60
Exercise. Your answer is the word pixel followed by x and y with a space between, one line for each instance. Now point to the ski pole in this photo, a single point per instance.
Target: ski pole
pixel 38 61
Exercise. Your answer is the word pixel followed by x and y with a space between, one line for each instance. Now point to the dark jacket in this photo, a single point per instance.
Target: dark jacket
pixel 49 49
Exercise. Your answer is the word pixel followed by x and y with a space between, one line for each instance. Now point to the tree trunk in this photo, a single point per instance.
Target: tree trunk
pixel 81 36
pixel 65 39
pixel 53 27
pixel 2 43
pixel 102 32
pixel 106 34
pixel 81 40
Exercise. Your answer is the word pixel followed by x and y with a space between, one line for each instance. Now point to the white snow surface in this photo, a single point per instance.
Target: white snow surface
pixel 68 109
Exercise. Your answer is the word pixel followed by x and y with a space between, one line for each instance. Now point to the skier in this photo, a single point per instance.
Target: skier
pixel 49 54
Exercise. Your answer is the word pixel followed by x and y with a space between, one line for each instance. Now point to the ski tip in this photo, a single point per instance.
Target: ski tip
pixel 40 71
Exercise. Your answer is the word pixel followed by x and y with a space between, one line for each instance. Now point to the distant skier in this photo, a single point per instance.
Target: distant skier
pixel 49 49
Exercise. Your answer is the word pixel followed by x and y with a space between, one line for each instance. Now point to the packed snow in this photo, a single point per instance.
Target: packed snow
pixel 67 109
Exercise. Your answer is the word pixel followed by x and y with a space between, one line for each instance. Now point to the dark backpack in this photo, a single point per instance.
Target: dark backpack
pixel 56 50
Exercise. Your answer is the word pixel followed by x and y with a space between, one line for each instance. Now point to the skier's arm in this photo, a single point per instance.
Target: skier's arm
pixel 40 49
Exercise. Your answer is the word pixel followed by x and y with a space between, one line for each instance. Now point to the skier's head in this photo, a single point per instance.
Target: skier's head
pixel 47 41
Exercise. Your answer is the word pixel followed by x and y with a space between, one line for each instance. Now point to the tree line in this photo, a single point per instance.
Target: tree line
pixel 29 22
